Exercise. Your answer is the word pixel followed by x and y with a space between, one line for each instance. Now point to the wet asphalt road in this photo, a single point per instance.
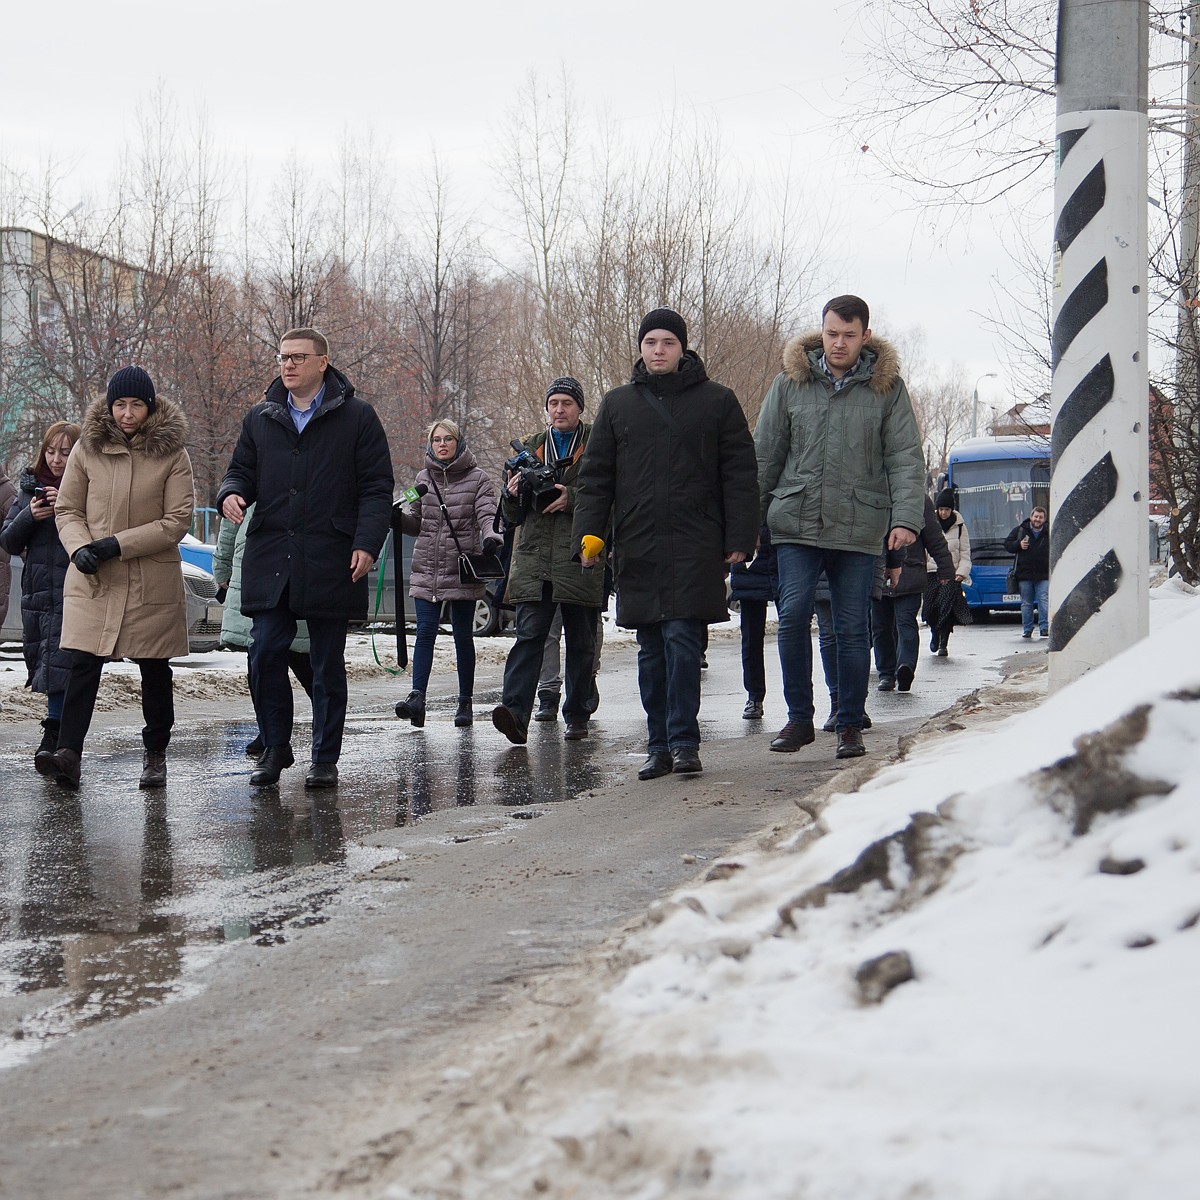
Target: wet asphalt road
pixel 108 897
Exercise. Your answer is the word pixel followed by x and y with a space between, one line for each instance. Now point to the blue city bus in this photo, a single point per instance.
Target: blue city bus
pixel 996 482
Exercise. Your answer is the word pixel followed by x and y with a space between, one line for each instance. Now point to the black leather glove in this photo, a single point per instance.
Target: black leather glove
pixel 106 548
pixel 492 546
pixel 222 592
pixel 85 559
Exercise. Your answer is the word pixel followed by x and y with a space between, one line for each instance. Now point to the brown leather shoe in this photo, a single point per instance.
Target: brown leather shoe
pixel 154 769
pixel 794 735
pixel 66 768
pixel 850 743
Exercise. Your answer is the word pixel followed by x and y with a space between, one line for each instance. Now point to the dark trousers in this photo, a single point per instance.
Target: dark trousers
pixel 272 635
pixel 753 618
pixel 79 703
pixel 462 619
pixel 524 664
pixel 897 638
pixel 669 681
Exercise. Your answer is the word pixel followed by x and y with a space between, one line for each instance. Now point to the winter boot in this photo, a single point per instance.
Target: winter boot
pixel 547 709
pixel 43 756
pixel 463 716
pixel 256 748
pixel 412 708
pixel 66 769
pixel 154 769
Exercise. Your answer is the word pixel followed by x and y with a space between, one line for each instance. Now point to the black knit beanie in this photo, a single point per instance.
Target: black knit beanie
pixel 134 382
pixel 565 385
pixel 945 499
pixel 664 318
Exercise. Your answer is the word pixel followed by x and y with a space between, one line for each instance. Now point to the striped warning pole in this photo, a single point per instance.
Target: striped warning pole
pixel 1099 553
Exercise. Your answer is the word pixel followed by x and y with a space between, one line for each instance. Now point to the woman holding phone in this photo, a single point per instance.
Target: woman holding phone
pixel 30 531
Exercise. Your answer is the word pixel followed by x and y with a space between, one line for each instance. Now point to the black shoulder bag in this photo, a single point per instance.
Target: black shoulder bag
pixel 472 568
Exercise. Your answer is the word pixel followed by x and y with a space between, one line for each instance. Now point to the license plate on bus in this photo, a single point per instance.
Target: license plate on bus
pixel 1011 598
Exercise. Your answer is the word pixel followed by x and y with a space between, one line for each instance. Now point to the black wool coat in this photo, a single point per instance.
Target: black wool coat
pixel 680 501
pixel 45 569
pixel 319 496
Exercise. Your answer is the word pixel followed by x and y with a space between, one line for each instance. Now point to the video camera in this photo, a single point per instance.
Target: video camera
pixel 539 482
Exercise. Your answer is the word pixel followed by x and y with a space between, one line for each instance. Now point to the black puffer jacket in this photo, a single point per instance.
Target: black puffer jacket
pixel 679 504
pixel 42 578
pixel 911 559
pixel 320 494
pixel 1034 563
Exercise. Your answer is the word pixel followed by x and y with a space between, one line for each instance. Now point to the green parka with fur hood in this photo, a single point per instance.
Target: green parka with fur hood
pixel 838 469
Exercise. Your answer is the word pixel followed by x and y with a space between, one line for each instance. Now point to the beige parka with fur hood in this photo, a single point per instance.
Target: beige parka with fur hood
pixel 139 491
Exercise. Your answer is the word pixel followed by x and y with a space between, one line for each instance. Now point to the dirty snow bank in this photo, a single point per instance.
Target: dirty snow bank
pixel 1039 880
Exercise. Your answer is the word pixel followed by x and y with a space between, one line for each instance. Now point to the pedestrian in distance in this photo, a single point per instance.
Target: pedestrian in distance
pixel 943 612
pixel 457 512
pixel 897 637
pixel 671 463
pixel 236 627
pixel 123 506
pixel 29 531
pixel 754 585
pixel 313 458
pixel 1030 542
pixel 840 470
pixel 545 579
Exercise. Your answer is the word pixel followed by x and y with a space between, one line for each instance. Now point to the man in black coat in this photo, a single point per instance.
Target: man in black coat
pixel 315 461
pixel 1030 542
pixel 671 459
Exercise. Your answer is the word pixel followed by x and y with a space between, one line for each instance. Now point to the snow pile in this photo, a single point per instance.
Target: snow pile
pixel 974 979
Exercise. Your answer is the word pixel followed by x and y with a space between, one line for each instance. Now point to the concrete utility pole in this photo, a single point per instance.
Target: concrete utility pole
pixel 1099 552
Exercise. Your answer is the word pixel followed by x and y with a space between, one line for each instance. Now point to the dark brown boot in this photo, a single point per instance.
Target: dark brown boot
pixel 154 769
pixel 66 769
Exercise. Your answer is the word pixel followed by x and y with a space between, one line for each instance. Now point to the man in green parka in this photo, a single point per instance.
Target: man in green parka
pixel 543 576
pixel 841 477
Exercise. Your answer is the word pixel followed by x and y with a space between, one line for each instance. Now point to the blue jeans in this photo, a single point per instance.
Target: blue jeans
pixel 462 620
pixel 1035 592
pixel 850 574
pixel 669 680
pixel 897 638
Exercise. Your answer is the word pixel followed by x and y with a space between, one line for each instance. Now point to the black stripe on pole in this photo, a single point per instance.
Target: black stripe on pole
pixel 1086 598
pixel 1085 502
pixel 1086 400
pixel 1066 142
pixel 1085 302
pixel 1082 205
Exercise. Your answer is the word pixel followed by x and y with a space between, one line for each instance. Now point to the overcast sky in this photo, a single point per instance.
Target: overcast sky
pixel 276 77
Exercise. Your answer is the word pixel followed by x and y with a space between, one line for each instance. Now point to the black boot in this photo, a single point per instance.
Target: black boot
pixel 154 769
pixel 547 709
pixel 412 708
pixel 463 716
pixel 43 756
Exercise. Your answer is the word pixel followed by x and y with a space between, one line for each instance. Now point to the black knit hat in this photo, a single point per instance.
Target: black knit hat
pixel 565 385
pixel 945 498
pixel 664 318
pixel 134 382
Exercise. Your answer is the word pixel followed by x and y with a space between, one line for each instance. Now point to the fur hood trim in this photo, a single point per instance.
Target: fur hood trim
pixel 163 434
pixel 885 370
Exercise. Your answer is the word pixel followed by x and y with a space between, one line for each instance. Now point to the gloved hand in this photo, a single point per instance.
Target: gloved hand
pixel 85 559
pixel 222 592
pixel 492 545
pixel 106 548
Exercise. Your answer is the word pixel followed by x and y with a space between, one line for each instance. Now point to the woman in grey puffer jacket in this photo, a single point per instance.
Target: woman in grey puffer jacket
pixel 470 505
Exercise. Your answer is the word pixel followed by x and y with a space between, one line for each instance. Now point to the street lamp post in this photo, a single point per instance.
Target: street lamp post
pixel 975 402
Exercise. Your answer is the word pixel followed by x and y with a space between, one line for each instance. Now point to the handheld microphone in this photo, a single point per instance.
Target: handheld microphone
pixel 591 547
pixel 413 494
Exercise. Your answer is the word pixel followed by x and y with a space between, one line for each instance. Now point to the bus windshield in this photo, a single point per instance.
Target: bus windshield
pixel 996 495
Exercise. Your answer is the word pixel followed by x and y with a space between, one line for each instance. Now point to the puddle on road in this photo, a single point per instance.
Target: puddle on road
pixel 109 896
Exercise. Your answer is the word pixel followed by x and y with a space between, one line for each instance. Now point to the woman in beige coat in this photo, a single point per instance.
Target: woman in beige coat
pixel 124 505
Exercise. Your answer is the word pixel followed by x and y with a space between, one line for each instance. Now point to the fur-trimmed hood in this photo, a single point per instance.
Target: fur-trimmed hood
pixel 882 360
pixel 164 432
